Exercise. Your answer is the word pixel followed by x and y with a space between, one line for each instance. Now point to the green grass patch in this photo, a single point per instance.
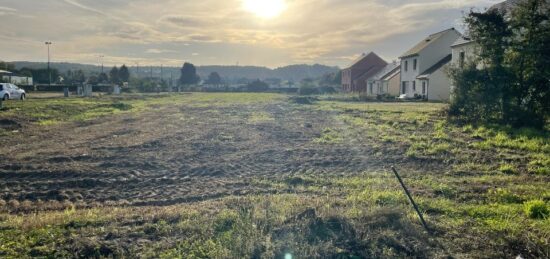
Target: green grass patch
pixel 329 136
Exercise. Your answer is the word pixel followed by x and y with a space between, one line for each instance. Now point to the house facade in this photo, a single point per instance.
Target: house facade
pixel 354 77
pixel 421 59
pixel 463 51
pixel 385 82
pixel 435 83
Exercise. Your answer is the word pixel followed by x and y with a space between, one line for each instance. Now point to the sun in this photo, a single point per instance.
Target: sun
pixel 265 8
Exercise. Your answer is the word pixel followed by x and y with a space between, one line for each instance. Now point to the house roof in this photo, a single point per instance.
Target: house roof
pixel 388 69
pixel 369 73
pixel 357 60
pixel 389 76
pixel 425 43
pixel 464 39
pixel 4 72
pixel 436 67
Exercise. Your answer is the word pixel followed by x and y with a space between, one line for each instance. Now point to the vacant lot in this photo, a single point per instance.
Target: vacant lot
pixel 264 175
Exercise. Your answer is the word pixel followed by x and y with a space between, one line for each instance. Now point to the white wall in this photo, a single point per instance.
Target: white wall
pixel 438 50
pixel 439 85
pixel 410 74
pixel 426 58
pixel 470 53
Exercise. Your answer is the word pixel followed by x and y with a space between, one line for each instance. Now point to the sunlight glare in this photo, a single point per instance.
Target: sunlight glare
pixel 265 8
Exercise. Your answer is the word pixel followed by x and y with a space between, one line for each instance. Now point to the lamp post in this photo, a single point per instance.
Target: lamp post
pixel 48 43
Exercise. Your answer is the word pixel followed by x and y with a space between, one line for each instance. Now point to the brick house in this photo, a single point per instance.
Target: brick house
pixel 354 77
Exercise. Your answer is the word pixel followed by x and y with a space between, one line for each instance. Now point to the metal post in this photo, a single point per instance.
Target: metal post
pixel 410 198
pixel 48 43
pixel 101 61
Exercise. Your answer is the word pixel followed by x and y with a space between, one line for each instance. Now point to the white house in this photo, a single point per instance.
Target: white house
pixel 464 50
pixel 435 83
pixel 12 78
pixel 385 82
pixel 418 76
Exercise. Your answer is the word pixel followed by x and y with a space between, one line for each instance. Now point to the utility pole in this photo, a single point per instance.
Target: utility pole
pixel 151 72
pixel 101 60
pixel 48 43
pixel 161 72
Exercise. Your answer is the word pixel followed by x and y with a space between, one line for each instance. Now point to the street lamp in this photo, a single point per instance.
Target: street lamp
pixel 48 43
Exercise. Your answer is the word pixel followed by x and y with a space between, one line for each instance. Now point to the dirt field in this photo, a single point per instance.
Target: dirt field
pixel 140 152
pixel 174 153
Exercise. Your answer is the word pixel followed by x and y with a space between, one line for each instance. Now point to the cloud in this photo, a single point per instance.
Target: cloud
pixel 184 21
pixel 7 10
pixel 84 7
pixel 307 31
pixel 159 51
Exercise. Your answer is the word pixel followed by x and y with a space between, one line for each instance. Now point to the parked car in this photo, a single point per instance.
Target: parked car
pixel 11 92
pixel 402 97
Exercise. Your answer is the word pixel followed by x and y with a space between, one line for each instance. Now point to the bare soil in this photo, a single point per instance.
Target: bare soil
pixel 175 153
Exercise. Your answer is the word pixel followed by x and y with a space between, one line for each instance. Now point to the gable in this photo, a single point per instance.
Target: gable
pixel 414 51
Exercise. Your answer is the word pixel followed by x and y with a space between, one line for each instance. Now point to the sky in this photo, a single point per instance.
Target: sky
pixel 268 33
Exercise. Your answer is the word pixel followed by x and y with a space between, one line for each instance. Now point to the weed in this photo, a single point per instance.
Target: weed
pixel 536 209
pixel 539 165
pixel 508 169
pixel 503 196
pixel 329 136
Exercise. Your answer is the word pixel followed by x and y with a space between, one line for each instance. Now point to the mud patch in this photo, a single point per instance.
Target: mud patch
pixel 7 124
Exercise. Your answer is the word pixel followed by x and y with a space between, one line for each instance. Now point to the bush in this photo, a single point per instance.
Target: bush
pixel 536 209
pixel 257 86
pixel 308 90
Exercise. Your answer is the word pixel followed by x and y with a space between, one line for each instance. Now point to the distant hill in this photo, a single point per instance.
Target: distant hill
pixel 230 73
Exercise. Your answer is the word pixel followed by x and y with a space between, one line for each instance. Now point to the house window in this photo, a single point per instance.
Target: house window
pixel 461 59
pixel 414 64
pixel 414 86
pixel 404 88
pixel 406 66
pixel 424 87
pixel 370 88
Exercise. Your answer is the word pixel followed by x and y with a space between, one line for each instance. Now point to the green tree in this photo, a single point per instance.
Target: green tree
pixel 93 80
pixel 529 59
pixel 214 79
pixel 188 75
pixel 123 74
pixel 7 66
pixel 103 78
pixel 511 86
pixel 113 76
pixel 257 86
pixel 78 77
pixel 41 76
